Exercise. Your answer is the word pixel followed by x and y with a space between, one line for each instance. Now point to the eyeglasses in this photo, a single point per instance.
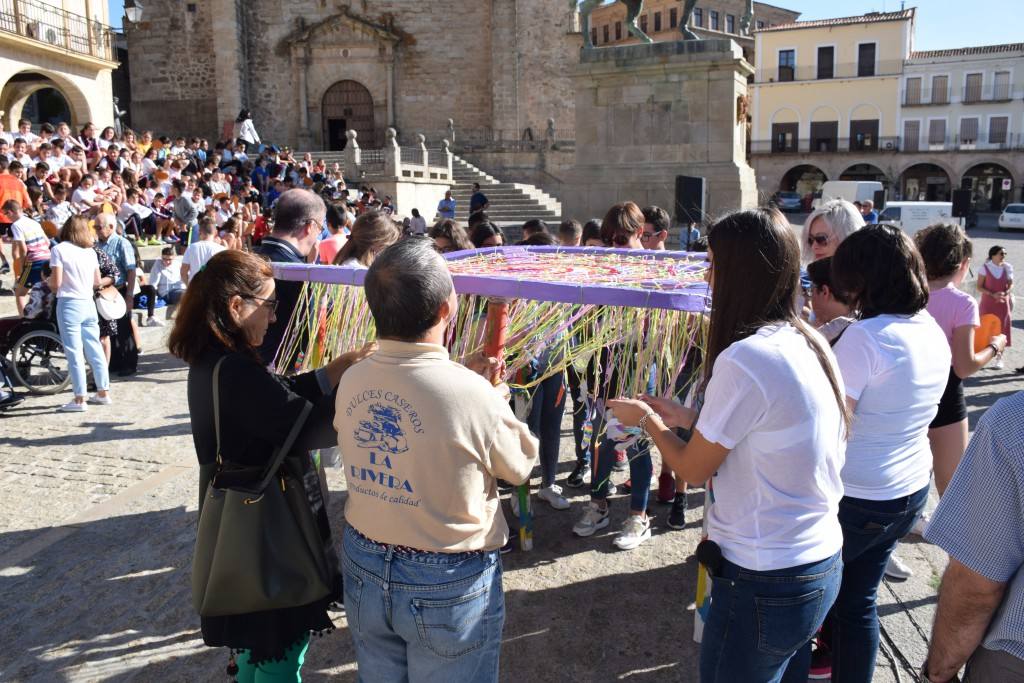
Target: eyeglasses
pixel 820 239
pixel 269 303
pixel 646 236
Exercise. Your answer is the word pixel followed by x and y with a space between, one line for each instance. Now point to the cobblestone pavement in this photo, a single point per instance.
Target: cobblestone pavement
pixel 97 527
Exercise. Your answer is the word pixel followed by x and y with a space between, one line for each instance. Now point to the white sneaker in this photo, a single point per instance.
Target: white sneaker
pixel 593 519
pixel 98 400
pixel 921 524
pixel 72 407
pixel 153 322
pixel 552 495
pixel 997 362
pixel 635 531
pixel 896 569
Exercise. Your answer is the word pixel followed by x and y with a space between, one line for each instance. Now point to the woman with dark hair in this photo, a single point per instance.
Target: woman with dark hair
pixel 623 226
pixel 771 434
pixel 107 138
pixel 895 364
pixel 449 236
pixel 487 234
pixel 372 233
pixel 832 314
pixel 947 252
pixel 245 130
pixel 995 282
pixel 221 322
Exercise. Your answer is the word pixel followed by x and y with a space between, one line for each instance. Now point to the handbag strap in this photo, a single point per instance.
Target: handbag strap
pixel 282 452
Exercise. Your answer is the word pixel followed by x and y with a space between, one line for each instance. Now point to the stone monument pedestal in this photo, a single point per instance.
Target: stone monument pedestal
pixel 648 113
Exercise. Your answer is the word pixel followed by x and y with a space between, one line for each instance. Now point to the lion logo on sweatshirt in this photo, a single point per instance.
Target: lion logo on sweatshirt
pixel 383 431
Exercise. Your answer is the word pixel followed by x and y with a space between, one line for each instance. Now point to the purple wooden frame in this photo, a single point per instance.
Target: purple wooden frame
pixel 692 297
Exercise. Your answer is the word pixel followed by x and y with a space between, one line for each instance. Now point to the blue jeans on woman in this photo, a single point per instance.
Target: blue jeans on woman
pixel 640 470
pixel 419 616
pixel 545 421
pixel 871 529
pixel 761 624
pixel 80 332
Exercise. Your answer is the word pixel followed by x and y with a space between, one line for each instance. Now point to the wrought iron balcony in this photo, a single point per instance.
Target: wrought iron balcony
pixel 57 28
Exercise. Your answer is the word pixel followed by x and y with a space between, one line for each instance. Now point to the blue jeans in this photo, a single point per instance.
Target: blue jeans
pixel 579 417
pixel 871 529
pixel 545 421
pixel 79 327
pixel 419 616
pixel 761 624
pixel 640 470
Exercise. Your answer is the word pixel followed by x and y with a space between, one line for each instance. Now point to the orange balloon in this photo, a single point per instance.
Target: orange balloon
pixel 991 326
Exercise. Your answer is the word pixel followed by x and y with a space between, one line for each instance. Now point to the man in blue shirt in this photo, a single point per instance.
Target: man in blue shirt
pixel 867 209
pixel 446 208
pixel 478 202
pixel 980 523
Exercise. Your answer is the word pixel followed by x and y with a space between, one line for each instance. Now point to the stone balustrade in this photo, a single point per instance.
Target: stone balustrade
pixel 413 163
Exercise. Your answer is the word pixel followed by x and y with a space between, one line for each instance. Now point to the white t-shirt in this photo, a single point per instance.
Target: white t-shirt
pixel 198 253
pixel 128 210
pixel 79 267
pixel 777 492
pixel 997 271
pixel 80 196
pixel 896 368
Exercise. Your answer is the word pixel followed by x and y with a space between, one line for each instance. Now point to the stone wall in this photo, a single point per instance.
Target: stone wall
pixel 490 66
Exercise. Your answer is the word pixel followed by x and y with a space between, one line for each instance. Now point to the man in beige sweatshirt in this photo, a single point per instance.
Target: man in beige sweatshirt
pixel 424 440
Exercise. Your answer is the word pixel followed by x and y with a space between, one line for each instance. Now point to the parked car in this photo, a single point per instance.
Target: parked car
pixel 788 201
pixel 1012 217
pixel 913 216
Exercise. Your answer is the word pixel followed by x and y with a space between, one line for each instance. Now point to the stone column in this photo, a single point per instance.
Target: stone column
pixel 392 154
pixel 353 155
pixel 227 53
pixel 391 92
pixel 300 57
pixel 447 147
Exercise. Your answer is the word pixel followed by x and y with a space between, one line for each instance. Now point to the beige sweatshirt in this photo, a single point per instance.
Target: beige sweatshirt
pixel 424 441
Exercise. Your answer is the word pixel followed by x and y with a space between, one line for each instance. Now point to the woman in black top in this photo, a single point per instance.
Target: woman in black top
pixel 224 314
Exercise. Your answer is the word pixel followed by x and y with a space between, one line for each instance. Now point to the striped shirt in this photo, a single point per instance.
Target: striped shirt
pixel 980 520
pixel 37 244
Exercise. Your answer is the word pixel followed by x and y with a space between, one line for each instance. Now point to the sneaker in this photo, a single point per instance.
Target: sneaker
pixel 621 461
pixel 580 475
pixel 635 531
pixel 72 407
pixel 10 399
pixel 552 495
pixel 896 569
pixel 821 663
pixel 921 523
pixel 593 519
pixel 677 515
pixel 507 548
pixel 997 363
pixel 153 322
pixel 98 400
pixel 666 486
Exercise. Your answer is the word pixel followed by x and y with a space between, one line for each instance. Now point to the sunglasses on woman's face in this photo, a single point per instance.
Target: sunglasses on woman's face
pixel 820 239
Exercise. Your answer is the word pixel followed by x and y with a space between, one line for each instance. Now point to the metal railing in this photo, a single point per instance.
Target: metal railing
pixel 801 72
pixel 1009 142
pixel 973 94
pixel 924 97
pixel 57 28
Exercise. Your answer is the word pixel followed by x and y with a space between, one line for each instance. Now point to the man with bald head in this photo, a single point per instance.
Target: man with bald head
pixel 298 219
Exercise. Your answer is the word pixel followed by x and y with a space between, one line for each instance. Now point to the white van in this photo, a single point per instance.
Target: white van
pixel 850 190
pixel 913 216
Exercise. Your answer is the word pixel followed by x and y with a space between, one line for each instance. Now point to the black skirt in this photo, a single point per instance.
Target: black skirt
pixel 952 405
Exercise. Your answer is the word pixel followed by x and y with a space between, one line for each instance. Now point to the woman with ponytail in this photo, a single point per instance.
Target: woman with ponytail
pixel 372 233
pixel 771 432
pixel 221 321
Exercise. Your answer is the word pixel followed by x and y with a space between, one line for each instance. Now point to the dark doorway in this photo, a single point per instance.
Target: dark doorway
pixel 351 103
pixel 336 140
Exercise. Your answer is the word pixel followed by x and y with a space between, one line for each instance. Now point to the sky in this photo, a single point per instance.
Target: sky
pixel 940 23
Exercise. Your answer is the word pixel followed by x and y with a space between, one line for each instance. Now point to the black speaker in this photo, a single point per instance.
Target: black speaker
pixel 879 201
pixel 961 203
pixel 690 194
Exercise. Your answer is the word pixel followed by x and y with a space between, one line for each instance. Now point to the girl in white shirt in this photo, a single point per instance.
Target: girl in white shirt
pixel 895 362
pixel 770 437
pixel 75 274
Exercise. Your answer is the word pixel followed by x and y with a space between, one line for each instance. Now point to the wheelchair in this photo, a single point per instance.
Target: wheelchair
pixel 32 354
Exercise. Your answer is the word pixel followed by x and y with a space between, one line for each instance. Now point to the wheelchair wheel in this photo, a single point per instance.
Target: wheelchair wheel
pixel 39 364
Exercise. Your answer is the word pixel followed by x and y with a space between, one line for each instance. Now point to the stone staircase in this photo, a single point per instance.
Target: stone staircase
pixel 510 203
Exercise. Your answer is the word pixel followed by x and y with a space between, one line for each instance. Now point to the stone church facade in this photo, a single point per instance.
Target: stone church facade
pixel 310 69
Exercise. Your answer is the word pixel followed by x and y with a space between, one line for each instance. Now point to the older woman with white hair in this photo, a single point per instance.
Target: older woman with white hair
pixel 830 224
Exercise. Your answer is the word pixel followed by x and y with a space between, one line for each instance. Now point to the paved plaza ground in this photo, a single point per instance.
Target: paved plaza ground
pixel 97 522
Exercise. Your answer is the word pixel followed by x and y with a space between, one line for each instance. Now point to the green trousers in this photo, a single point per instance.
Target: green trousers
pixel 285 671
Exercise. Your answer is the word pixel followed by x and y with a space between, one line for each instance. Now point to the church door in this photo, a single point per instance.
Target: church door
pixel 348 105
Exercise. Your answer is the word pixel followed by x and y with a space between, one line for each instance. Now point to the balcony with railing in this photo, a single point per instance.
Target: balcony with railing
pixel 812 72
pixel 825 145
pixel 984 141
pixel 57 29
pixel 924 97
pixel 993 92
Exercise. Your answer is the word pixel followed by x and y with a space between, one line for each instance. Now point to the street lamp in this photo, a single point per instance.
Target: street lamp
pixel 133 11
